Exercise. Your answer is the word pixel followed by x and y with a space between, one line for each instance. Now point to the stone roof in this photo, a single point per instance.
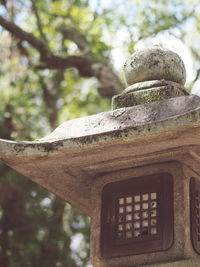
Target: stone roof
pixel 67 161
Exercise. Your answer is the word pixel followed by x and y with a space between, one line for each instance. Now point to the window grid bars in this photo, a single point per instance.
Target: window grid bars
pixel 137 216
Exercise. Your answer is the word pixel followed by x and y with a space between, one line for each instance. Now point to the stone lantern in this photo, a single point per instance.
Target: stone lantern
pixel 135 170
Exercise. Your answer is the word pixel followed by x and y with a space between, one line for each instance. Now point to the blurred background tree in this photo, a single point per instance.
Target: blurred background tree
pixel 59 60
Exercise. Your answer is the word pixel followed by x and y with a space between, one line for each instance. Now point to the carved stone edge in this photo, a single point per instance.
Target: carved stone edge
pixel 139 121
pixel 146 92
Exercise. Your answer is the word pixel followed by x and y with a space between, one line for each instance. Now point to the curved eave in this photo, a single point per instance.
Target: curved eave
pixel 66 161
pixel 124 123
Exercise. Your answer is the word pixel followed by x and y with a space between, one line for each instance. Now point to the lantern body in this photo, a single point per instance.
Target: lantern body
pixel 172 243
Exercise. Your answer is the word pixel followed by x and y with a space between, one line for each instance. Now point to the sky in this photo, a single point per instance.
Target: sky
pixel 165 39
pixel 119 55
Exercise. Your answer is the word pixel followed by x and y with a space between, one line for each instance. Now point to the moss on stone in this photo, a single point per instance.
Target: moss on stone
pixel 146 96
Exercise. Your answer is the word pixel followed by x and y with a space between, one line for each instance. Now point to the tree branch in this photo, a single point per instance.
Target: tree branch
pixel 74 35
pixel 49 60
pixel 24 36
pixel 86 64
pixel 82 64
pixel 39 23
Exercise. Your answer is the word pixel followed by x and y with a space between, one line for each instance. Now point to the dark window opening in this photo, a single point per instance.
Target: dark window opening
pixel 137 216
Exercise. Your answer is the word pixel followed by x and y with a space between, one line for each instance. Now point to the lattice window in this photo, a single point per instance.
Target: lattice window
pixel 137 215
pixel 195 213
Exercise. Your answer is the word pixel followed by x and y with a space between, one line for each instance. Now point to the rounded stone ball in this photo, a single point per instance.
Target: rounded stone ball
pixel 154 63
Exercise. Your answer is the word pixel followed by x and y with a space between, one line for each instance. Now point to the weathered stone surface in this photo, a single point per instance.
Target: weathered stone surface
pixel 153 74
pixel 132 97
pixel 181 251
pixel 154 84
pixel 154 63
pixel 181 263
pixel 125 117
pixel 68 161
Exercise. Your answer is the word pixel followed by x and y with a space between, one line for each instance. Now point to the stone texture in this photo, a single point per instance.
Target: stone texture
pixel 154 63
pixel 153 92
pixel 123 118
pixel 181 263
pixel 153 84
pixel 67 161
pixel 181 249
pixel 153 74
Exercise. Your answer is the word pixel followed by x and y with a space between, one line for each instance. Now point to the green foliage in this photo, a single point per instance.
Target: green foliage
pixel 33 222
pixel 37 228
pixel 32 225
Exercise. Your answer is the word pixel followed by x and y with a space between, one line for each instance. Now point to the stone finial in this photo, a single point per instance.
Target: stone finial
pixel 152 74
pixel 154 63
